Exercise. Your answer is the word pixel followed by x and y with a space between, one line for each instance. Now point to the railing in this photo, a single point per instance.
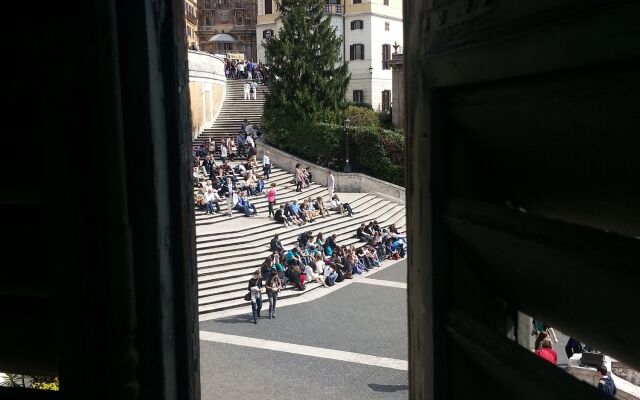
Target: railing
pixel 192 17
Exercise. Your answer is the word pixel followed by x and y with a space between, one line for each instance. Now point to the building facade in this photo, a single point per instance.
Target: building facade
pixel 191 22
pixel 228 26
pixel 369 30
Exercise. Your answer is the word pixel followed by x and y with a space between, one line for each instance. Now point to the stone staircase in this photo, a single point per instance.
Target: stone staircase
pixel 229 249
pixel 234 110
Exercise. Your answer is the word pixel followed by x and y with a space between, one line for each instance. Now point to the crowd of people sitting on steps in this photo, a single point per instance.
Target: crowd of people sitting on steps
pixel 318 259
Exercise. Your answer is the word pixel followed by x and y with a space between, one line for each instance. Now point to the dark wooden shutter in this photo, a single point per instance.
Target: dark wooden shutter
pixel 351 52
pixel 362 52
pixel 268 6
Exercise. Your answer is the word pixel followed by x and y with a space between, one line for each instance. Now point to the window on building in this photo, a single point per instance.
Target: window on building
pixel 208 4
pixel 386 100
pixel 386 26
pixel 267 34
pixel 386 56
pixel 238 3
pixel 239 17
pixel 358 96
pixel 207 18
pixel 268 6
pixel 386 2
pixel 357 1
pixel 356 51
pixel 357 24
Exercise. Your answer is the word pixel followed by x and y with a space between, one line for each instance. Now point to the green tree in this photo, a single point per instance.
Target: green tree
pixel 311 79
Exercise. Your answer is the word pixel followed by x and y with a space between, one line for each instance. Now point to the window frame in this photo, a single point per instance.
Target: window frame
pixel 386 56
pixel 353 51
pixel 359 93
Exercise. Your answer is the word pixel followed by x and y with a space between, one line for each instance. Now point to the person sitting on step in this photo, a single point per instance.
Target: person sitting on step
pixel 280 218
pixel 291 215
pixel 244 205
pixel 295 209
pixel 361 234
pixel 275 244
pixel 310 211
pixel 337 205
pixel 313 277
pixel 319 205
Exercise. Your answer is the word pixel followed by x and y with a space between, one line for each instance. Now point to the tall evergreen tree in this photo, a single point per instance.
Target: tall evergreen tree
pixel 309 77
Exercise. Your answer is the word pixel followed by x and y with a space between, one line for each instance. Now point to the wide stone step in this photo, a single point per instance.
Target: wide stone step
pixel 246 267
pixel 232 296
pixel 344 229
pixel 261 204
pixel 257 236
pixel 266 227
pixel 219 267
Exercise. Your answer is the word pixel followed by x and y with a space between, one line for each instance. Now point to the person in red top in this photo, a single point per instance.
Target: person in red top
pixel 271 199
pixel 546 351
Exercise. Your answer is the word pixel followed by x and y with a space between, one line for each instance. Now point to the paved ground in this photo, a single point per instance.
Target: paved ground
pixel 365 319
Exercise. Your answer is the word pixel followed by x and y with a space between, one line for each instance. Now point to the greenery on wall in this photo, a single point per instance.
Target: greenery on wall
pixel 373 150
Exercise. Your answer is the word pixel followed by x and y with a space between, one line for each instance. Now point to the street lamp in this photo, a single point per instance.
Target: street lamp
pixel 347 166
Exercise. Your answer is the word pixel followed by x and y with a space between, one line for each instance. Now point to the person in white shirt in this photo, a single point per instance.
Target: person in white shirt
pixel 223 152
pixel 331 185
pixel 254 90
pixel 247 91
pixel 330 274
pixel 311 276
pixel 211 201
pixel 266 165
pixel 230 203
pixel 250 141
pixel 318 263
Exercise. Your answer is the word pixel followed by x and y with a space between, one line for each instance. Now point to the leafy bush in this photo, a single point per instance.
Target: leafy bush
pixel 385 119
pixel 379 153
pixel 45 383
pixel 373 151
pixel 360 116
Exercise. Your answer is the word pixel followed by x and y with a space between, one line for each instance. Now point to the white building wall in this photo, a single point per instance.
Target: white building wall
pixel 381 78
pixel 360 75
pixel 261 54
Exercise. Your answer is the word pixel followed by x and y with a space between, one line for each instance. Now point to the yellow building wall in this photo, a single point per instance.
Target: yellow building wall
pixel 203 116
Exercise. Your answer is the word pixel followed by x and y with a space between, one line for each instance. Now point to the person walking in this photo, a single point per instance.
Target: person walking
pixel 271 199
pixel 274 284
pixel 331 185
pixel 223 152
pixel 247 91
pixel 266 165
pixel 254 90
pixel 230 204
pixel 255 288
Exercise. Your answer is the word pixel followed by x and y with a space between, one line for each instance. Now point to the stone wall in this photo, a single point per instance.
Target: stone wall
pixel 207 89
pixel 345 182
